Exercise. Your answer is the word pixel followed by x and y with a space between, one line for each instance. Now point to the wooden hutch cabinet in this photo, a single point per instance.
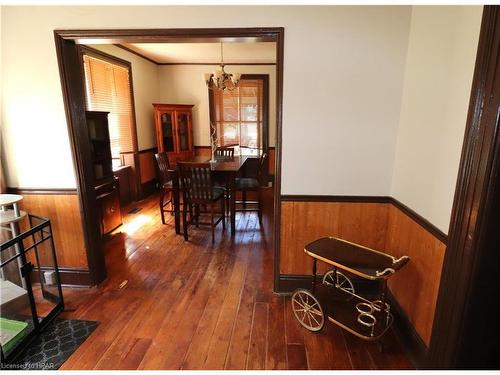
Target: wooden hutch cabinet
pixel 174 130
pixel 105 184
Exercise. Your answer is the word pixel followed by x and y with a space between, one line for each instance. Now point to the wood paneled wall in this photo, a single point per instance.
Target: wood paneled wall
pixel 147 166
pixel 304 222
pixel 64 213
pixel 416 287
pixel 381 226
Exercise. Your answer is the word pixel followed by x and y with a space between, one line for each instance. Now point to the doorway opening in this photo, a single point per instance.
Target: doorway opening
pixel 69 44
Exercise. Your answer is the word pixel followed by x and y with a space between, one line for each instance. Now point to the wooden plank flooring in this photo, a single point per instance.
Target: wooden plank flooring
pixel 170 304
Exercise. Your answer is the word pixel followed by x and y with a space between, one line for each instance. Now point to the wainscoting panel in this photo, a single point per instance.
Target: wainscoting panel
pixel 416 287
pixel 63 210
pixel 381 223
pixel 304 222
pixel 147 166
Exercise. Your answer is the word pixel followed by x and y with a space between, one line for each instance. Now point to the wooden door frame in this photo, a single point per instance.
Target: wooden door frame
pixel 470 246
pixel 71 75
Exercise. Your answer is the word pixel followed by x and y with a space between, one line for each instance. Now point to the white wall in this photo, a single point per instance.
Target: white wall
pixel 183 84
pixel 438 77
pixel 342 88
pixel 146 92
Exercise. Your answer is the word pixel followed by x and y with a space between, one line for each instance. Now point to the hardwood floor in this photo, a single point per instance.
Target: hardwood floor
pixel 170 304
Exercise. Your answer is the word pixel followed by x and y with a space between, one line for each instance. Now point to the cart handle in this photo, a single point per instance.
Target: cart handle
pixel 398 263
pixel 384 272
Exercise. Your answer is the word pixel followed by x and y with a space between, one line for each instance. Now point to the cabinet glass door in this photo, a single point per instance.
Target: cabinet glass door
pixel 167 130
pixel 183 129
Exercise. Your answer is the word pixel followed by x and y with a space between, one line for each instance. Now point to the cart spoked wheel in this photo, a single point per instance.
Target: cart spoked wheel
pixel 307 310
pixel 343 282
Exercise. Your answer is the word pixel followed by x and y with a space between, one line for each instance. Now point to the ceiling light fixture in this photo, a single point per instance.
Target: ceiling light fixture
pixel 221 80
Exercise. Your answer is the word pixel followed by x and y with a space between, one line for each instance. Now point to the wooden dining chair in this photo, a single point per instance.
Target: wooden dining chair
pixel 199 190
pixel 246 184
pixel 165 175
pixel 226 152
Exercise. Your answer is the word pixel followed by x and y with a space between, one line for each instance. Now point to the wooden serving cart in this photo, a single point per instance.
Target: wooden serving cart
pixel 335 298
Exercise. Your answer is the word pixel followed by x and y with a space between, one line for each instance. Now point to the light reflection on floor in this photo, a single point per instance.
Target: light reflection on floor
pixel 133 225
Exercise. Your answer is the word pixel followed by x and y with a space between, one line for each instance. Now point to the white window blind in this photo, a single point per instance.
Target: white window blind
pixel 239 115
pixel 108 89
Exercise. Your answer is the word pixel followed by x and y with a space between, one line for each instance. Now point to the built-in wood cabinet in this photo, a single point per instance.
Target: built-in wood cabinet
pixel 105 184
pixel 174 130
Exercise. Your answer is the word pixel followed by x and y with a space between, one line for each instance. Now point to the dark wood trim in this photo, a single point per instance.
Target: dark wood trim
pixel 426 224
pixel 188 63
pixel 465 331
pixel 136 53
pixel 73 90
pixel 71 73
pixel 280 43
pixel 146 150
pixel 218 63
pixel 72 277
pixel 423 222
pixel 86 50
pixel 336 198
pixel 414 346
pixel 180 35
pixel 149 187
pixel 41 191
pixel 288 283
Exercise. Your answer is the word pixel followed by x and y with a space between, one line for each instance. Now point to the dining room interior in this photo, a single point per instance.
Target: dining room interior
pixel 202 192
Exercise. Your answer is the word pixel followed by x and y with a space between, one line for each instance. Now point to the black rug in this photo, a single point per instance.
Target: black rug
pixel 54 346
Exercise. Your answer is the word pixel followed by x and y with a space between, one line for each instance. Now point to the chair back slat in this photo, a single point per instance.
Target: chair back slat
pixel 226 152
pixel 263 169
pixel 163 167
pixel 196 180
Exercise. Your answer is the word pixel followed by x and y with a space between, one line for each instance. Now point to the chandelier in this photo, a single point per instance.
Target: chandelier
pixel 220 79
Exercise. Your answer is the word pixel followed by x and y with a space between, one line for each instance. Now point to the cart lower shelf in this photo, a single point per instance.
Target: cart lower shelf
pixel 340 307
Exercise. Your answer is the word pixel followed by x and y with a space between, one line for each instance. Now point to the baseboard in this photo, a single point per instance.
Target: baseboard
pixel 41 191
pixel 72 277
pixel 415 348
pixel 288 283
pixel 149 188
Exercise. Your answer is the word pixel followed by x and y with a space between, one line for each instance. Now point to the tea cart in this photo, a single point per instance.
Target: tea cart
pixel 335 298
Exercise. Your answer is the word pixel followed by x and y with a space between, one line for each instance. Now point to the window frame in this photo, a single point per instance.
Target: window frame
pixel 265 107
pixel 92 52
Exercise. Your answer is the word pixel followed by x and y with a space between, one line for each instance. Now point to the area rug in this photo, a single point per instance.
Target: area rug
pixel 54 346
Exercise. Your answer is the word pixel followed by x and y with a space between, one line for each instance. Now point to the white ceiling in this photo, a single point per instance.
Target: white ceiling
pixel 256 52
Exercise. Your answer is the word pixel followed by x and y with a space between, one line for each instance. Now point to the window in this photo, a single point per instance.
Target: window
pixel 108 89
pixel 240 116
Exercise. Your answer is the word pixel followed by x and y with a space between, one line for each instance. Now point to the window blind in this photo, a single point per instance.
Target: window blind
pixel 108 89
pixel 239 114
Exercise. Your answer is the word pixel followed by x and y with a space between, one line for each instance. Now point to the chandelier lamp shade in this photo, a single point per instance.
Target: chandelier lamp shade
pixel 220 79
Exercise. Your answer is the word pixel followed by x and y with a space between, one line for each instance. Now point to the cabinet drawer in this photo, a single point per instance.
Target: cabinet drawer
pixel 111 216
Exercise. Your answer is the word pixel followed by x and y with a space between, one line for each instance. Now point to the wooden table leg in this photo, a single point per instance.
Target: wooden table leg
pixel 232 204
pixel 177 203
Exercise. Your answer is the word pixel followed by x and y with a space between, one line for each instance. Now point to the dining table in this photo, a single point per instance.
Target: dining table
pixel 223 169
